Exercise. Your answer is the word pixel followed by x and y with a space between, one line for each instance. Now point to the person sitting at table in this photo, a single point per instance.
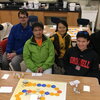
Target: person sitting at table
pixel 62 41
pixel 94 43
pixel 19 34
pixel 39 51
pixel 5 29
pixel 81 60
pixel 4 33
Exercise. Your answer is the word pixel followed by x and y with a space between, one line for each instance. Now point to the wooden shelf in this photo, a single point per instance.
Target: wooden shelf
pixel 11 16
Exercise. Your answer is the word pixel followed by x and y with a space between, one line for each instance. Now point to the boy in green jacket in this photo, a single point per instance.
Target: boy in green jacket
pixel 39 51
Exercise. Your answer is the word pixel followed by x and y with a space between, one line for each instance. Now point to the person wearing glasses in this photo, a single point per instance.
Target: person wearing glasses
pixel 19 34
pixel 38 51
pixel 62 41
pixel 81 60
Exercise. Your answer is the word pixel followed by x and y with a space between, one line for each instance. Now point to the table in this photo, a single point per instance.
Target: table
pixel 94 94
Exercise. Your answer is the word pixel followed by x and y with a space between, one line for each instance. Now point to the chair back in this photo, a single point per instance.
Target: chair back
pixel 32 19
pixel 55 20
pixel 83 22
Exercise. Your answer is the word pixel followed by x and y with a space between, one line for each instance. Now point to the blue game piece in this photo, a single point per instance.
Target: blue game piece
pixel 38 85
pixel 53 86
pixel 43 85
pixel 47 93
pixel 24 91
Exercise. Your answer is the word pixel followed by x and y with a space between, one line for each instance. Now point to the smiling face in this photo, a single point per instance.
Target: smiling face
pixel 61 29
pixel 82 43
pixel 23 19
pixel 38 31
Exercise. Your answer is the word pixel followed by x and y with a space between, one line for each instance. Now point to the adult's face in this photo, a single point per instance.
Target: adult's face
pixel 23 19
pixel 38 31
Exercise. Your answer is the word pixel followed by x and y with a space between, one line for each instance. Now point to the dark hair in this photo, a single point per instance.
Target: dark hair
pixel 62 22
pixel 1 27
pixel 83 34
pixel 37 24
pixel 23 11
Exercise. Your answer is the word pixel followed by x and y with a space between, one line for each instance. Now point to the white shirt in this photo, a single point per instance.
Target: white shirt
pixel 5 32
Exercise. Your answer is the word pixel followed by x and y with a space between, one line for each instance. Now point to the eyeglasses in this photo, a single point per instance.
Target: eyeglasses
pixel 23 17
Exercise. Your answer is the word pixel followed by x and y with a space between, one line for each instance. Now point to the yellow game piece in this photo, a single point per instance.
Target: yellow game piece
pixel 41 92
pixel 42 98
pixel 34 84
pixel 17 95
pixel 57 89
pixel 20 93
pixel 51 94
pixel 48 85
pixel 29 84
pixel 18 98
pixel 34 91
pixel 56 94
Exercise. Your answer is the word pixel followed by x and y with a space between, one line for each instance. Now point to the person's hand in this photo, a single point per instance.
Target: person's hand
pixel 10 55
pixel 89 31
pixel 40 70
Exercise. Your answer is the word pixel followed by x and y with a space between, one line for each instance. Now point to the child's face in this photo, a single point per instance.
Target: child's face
pixel 61 29
pixel 82 43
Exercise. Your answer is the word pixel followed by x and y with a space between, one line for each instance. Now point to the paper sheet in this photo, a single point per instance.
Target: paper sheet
pixel 4 89
pixel 34 97
pixel 36 74
pixel 86 88
pixel 5 76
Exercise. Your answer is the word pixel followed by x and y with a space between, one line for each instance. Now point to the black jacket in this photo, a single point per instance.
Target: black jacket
pixel 81 63
pixel 95 43
pixel 56 41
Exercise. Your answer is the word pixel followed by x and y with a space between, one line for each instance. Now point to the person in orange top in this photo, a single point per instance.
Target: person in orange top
pixel 39 51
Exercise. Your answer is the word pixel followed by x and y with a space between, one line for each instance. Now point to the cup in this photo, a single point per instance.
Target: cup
pixel 36 5
pixel 64 4
pixel 72 6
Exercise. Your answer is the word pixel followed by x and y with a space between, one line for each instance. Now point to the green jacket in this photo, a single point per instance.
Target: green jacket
pixel 39 56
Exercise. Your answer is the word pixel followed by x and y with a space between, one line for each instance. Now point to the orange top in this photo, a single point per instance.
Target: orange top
pixel 39 42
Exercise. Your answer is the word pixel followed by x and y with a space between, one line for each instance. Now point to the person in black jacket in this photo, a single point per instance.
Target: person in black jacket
pixel 81 60
pixel 94 42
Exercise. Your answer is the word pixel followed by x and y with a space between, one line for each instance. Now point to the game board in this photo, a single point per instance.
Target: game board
pixel 28 89
pixel 73 32
pixel 49 30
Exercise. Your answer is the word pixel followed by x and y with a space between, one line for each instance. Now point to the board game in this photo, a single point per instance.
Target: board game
pixel 29 89
pixel 73 32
